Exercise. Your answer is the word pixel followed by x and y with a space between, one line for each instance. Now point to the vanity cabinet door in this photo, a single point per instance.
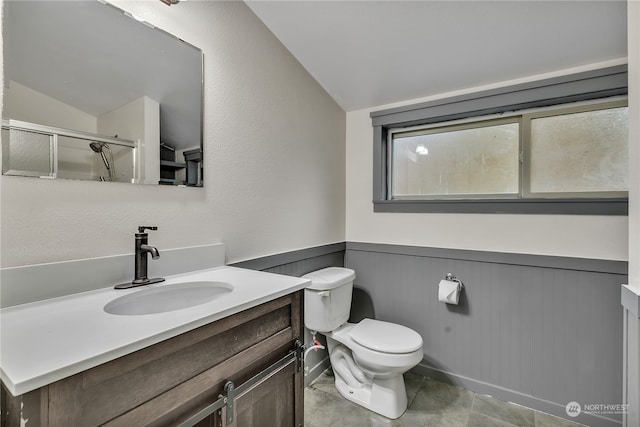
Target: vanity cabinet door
pixel 271 402
pixel 177 405
pixel 283 390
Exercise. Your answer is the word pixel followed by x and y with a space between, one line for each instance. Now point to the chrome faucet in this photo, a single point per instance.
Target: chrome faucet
pixel 142 249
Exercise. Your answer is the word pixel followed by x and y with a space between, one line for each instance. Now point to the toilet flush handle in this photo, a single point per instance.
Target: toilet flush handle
pixel 324 293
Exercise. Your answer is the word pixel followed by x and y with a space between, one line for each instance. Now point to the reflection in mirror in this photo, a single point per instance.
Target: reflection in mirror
pixel 47 152
pixel 92 93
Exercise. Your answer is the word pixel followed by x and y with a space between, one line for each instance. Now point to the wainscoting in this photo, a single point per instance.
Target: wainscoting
pixel 534 330
pixel 299 263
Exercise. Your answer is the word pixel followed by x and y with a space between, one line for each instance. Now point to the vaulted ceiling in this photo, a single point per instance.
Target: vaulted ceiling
pixel 370 53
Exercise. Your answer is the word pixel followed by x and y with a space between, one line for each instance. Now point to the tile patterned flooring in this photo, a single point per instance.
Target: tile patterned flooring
pixel 431 403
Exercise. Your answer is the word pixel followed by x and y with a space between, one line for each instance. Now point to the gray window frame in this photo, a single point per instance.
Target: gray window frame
pixel 588 85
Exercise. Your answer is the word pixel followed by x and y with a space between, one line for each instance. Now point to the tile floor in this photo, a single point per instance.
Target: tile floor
pixel 431 403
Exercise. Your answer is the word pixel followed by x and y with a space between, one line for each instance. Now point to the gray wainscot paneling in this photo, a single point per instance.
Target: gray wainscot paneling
pixel 534 330
pixel 298 263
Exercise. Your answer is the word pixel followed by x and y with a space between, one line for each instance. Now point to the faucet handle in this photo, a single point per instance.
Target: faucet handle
pixel 141 228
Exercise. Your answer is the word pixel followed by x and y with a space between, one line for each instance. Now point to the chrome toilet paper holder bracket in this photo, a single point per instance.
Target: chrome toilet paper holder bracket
pixel 452 278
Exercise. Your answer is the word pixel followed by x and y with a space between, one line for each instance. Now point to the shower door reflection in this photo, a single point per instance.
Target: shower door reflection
pixel 48 152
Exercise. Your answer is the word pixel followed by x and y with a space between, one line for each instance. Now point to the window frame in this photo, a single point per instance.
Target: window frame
pixel 557 91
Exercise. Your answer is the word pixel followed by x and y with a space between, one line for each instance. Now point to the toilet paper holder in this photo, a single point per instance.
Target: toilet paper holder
pixel 452 278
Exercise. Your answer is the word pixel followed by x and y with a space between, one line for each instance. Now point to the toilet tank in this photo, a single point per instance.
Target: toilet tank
pixel 327 301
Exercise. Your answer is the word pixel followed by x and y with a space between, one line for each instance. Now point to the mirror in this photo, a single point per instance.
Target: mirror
pixel 93 93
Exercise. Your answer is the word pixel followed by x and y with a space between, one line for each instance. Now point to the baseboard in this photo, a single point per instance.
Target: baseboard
pixel 314 372
pixel 512 396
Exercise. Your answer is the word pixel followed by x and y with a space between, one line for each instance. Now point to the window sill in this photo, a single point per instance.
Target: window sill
pixel 510 206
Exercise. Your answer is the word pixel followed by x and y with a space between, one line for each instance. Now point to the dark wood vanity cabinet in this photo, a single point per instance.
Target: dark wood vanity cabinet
pixel 167 383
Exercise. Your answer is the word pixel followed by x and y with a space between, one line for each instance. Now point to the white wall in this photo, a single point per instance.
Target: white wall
pixel 631 317
pixel 600 237
pixel 26 104
pixel 633 46
pixel 138 121
pixel 274 160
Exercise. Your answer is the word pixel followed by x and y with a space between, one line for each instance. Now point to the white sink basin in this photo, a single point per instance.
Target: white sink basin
pixel 164 298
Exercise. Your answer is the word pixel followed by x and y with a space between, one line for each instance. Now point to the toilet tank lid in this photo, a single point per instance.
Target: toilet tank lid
pixel 329 278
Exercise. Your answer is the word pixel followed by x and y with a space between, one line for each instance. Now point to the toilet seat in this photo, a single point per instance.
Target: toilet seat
pixel 385 337
pixel 372 360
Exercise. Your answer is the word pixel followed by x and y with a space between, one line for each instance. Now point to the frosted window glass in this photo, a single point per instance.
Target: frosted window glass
pixel 25 152
pixel 467 162
pixel 580 152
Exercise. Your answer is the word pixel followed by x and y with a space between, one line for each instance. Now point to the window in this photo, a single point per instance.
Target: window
pixel 572 151
pixel 556 146
pixel 580 152
pixel 467 161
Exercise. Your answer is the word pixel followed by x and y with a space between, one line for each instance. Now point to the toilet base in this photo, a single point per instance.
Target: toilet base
pixel 387 397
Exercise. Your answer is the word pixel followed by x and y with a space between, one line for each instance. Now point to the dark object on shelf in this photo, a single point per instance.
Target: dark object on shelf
pixel 169 166
pixel 193 159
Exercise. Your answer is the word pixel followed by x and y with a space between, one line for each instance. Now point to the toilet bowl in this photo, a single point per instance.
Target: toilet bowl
pixel 368 358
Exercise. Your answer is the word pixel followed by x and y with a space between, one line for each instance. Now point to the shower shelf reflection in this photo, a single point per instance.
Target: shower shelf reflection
pixel 30 149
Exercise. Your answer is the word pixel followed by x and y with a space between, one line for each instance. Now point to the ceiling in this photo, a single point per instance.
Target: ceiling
pixel 371 53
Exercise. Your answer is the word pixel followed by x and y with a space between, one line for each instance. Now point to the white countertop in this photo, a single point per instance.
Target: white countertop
pixel 49 340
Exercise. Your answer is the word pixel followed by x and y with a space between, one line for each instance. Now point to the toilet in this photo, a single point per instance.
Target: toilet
pixel 369 357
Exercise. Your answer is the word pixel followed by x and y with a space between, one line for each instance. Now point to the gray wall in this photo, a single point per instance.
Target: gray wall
pixel 540 331
pixel 299 263
pixel 536 330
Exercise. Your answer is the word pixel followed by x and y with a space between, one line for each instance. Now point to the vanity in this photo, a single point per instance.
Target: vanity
pixel 235 360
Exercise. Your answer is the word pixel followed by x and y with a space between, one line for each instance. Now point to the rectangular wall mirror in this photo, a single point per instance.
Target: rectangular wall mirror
pixel 93 93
